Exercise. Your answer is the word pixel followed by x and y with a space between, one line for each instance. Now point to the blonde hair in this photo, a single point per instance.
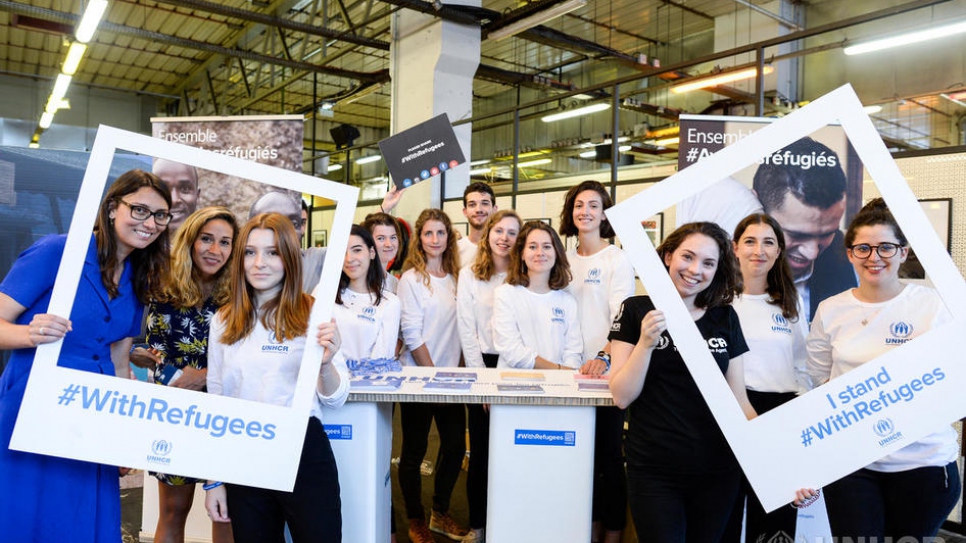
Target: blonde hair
pixel 181 286
pixel 288 314
pixel 416 259
pixel 483 268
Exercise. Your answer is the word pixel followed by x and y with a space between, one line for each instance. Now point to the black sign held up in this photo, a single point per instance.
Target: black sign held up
pixel 427 149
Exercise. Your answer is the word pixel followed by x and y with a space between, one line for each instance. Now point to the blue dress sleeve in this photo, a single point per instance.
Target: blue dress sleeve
pixel 31 278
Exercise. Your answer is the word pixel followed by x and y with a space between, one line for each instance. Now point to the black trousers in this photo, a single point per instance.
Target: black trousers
pixel 313 510
pixel 610 479
pixel 903 505
pixel 478 421
pixel 416 420
pixel 681 507
pixel 761 526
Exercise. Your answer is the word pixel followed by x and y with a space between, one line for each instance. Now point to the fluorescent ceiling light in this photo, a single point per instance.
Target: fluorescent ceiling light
pixel 872 110
pixel 74 56
pixel 666 141
pixel 335 167
pixel 479 162
pixel 34 145
pixel 588 154
pixel 536 19
pixel 46 119
pixel 720 79
pixel 537 162
pixel 480 171
pixel 60 90
pixel 570 113
pixel 92 17
pixel 906 39
pixel 624 148
pixel 368 159
pixel 953 100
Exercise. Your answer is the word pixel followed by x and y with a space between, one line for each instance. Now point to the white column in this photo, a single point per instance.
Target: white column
pixel 432 64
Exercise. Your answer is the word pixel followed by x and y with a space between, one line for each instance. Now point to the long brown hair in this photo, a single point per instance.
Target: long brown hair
pixel 288 314
pixel 182 283
pixel 781 287
pixel 483 268
pixel 560 275
pixel 567 226
pixel 148 265
pixel 726 282
pixel 417 256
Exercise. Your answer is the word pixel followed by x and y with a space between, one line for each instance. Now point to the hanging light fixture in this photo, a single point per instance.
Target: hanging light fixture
pixel 577 112
pixel 719 79
pixel 908 38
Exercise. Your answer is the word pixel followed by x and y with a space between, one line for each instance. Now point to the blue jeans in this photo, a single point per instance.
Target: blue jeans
pixel 912 503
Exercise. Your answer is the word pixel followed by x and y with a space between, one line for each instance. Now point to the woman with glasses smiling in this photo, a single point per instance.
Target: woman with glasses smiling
pixel 57 499
pixel 909 492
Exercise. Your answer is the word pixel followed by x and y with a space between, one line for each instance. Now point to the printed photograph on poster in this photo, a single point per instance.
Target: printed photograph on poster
pixel 812 188
pixel 858 417
pixel 274 140
pixel 423 151
pixel 168 428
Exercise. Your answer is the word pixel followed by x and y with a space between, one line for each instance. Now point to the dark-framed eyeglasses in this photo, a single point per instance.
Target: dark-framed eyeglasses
pixel 884 250
pixel 141 213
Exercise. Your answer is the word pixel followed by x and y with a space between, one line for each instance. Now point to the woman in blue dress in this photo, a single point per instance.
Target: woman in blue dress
pixel 45 498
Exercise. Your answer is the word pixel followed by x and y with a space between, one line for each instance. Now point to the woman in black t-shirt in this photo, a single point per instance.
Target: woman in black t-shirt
pixel 682 476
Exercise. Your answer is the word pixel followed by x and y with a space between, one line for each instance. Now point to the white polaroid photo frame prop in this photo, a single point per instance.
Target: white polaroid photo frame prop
pixel 53 419
pixel 780 451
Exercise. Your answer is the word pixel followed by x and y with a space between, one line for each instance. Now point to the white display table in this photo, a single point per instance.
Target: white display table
pixel 541 453
pixel 541 450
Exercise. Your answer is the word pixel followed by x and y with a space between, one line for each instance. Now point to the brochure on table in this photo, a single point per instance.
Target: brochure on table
pixel 477 383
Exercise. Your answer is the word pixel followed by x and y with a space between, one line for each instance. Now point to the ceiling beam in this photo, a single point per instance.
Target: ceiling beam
pixel 279 22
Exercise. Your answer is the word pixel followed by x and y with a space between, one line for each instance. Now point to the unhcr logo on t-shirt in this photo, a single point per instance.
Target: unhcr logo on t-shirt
pixel 780 324
pixel 558 315
pixel 900 331
pixel 593 277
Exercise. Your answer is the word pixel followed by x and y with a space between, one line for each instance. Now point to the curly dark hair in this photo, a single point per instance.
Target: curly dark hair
pixel 874 213
pixel 727 282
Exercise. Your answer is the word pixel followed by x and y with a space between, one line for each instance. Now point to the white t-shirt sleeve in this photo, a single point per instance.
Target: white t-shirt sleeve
pixel 338 397
pixel 506 331
pixel 818 347
pixel 411 298
pixel 390 324
pixel 574 343
pixel 467 319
